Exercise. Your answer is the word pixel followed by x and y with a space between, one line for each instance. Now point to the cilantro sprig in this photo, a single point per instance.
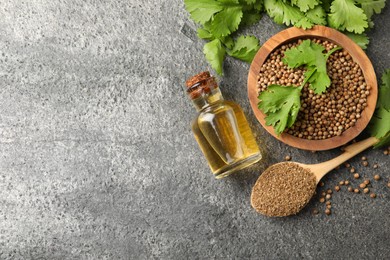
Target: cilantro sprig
pixel 220 19
pixel 380 122
pixel 281 104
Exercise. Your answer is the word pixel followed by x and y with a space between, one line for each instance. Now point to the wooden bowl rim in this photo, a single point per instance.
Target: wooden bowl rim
pixel 357 54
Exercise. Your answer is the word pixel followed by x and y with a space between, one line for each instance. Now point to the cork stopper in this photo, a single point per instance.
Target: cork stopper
pixel 197 78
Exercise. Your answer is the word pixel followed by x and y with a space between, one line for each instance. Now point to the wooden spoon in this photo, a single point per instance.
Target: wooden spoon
pixel 321 169
pixel 285 188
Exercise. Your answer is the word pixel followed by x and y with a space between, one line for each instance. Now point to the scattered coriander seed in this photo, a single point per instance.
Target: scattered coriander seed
pixel 337 188
pixel 364 158
pixel 362 185
pixel 373 195
pixel 356 190
pixel 328 212
pixel 347 165
pixel 329 191
pixel 287 158
pixel 366 182
pixel 377 177
pixel 315 211
pixel 375 166
pixel 328 196
pixel 323 194
pixel 322 184
pixel 385 152
pixel 346 182
pixel 328 206
pixel 341 183
pixel 328 202
pixel 356 176
pixel 352 170
pixel 365 163
pixel 322 200
pixel 350 189
pixel 366 190
pixel 388 184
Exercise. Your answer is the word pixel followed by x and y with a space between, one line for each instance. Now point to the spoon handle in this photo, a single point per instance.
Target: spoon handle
pixel 350 151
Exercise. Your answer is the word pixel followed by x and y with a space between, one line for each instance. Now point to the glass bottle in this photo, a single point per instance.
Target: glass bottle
pixel 220 128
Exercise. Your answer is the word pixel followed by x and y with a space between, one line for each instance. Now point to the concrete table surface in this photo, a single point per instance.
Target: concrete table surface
pixel 97 159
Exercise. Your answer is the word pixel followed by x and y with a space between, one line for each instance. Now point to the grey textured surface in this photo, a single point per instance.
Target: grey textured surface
pixel 97 159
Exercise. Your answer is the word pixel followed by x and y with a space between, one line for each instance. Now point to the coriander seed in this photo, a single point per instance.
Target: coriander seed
pixel 365 163
pixel 322 199
pixel 337 188
pixel 373 195
pixel 366 190
pixel 362 185
pixel 329 206
pixel 328 212
pixel 341 183
pixel 356 190
pixel 328 203
pixel 352 170
pixel 350 189
pixel 375 166
pixel 329 191
pixel 287 158
pixel 356 176
pixel 377 177
pixel 328 196
pixel 346 182
pixel 366 182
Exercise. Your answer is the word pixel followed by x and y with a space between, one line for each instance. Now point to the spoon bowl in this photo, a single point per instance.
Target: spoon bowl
pixel 275 197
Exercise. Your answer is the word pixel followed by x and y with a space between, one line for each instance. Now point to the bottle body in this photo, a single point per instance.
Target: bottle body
pixel 225 138
pixel 220 128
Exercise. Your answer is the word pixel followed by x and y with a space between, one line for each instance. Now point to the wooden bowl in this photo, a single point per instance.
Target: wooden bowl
pixel 323 33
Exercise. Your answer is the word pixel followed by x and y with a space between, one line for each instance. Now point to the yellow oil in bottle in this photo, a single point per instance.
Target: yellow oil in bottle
pixel 226 152
pixel 223 133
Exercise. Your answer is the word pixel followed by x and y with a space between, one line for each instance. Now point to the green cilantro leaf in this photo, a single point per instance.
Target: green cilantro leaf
pixel 317 15
pixel 249 2
pixel 312 57
pixel 380 122
pixel 226 21
pixel 258 5
pixel 379 126
pixel 370 7
pixel 305 5
pixel 384 91
pixel 281 105
pixel 345 15
pixel 202 11
pixel 204 34
pixel 245 48
pixel 360 39
pixel 250 18
pixel 326 5
pixel 283 12
pixel 215 53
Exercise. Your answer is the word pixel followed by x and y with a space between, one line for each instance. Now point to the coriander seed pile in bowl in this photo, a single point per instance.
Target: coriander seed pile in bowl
pixel 326 118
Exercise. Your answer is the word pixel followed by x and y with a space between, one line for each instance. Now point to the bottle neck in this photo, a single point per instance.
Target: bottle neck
pixel 208 99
